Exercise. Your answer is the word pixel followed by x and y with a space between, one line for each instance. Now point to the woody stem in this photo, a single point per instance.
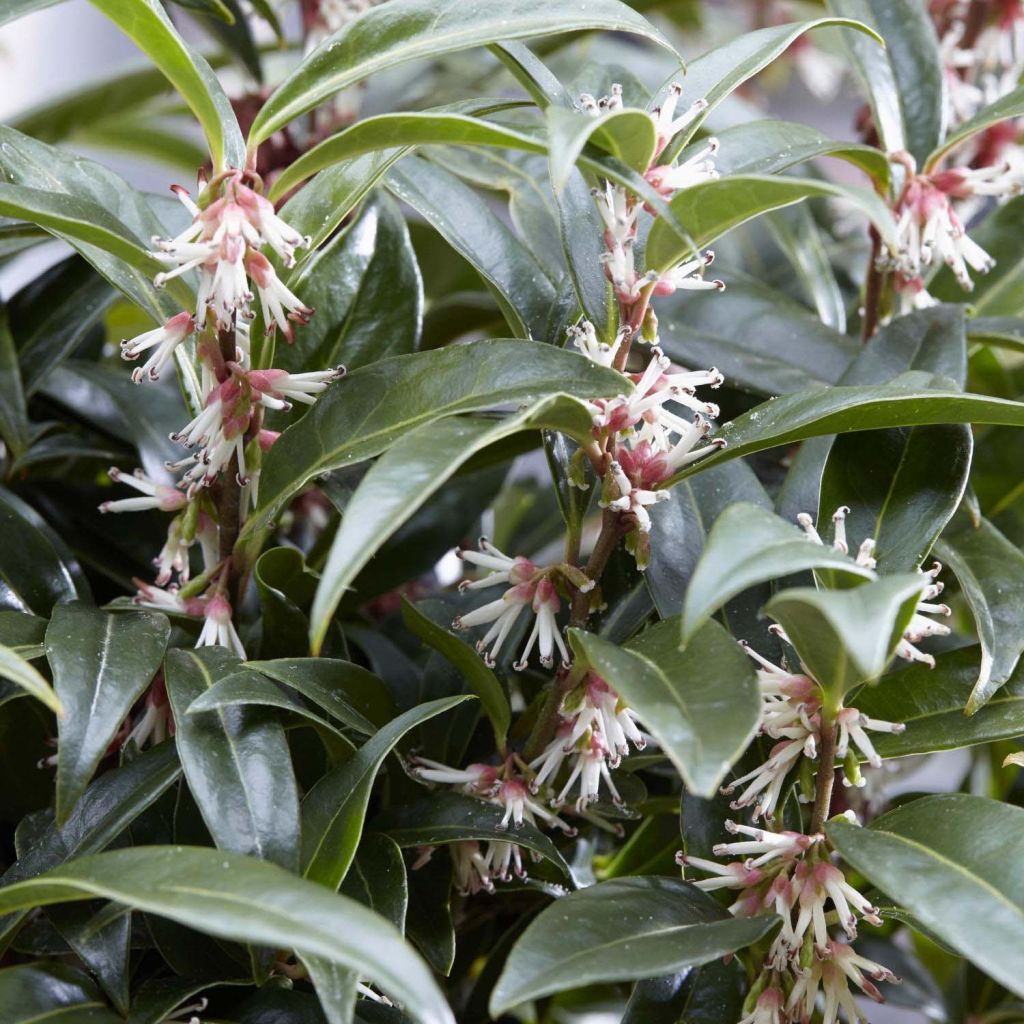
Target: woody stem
pixel 826 774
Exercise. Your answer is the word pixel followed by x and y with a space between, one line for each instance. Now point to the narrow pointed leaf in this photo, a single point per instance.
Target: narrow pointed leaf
pixel 700 704
pixel 233 897
pixel 418 29
pixel 846 637
pixel 629 135
pixel 102 662
pixel 149 27
pixel 236 762
pixel 748 545
pixel 990 571
pixel 407 476
pixel 15 669
pixel 334 810
pixel 946 859
pixel 44 992
pixel 620 930
pixel 367 412
pixel 1006 107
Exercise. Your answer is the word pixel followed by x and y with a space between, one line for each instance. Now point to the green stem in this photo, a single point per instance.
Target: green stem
pixel 826 777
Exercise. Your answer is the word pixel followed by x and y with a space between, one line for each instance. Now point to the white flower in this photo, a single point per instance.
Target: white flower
pixel 279 305
pixel 173 557
pixel 852 724
pixel 218 629
pixel 768 846
pixel 585 338
pixel 688 276
pixel 765 783
pixel 768 1009
pixel 668 125
pixel 155 496
pixel 163 339
pixel 277 387
pixel 700 167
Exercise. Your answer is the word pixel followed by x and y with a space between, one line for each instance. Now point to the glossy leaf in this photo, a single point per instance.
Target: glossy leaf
pixel 709 209
pixel 990 571
pixel 454 818
pixel 617 931
pixel 628 135
pixel 832 410
pixel 17 670
pixel 419 29
pixel 700 704
pixel 749 544
pixel 717 73
pixel 367 412
pixel 39 993
pixel 943 858
pixel 897 492
pixel 846 637
pixel 406 477
pixel 366 289
pixel 1003 109
pixel 102 662
pixel 378 878
pixel 519 284
pixel 152 31
pixel 931 702
pixel 13 413
pixel 347 692
pixel 912 48
pixel 236 762
pixel 480 679
pixel 334 810
pixel 249 901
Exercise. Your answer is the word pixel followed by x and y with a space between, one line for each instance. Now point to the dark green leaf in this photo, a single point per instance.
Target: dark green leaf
pixel 104 947
pixel 617 931
pixel 102 662
pixel 418 29
pixel 40 993
pixel 405 478
pixel 240 898
pixel 37 570
pixel 846 637
pixel 701 704
pixel 749 544
pixel 990 571
pixel 945 859
pixel 377 878
pixel 13 413
pixel 897 491
pixel 454 818
pixel 367 412
pixel 931 702
pixel 481 679
pixel 334 811
pixel 236 762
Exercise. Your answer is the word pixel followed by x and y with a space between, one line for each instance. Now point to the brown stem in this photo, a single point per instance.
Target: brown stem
pixel 826 775
pixel 229 501
pixel 873 288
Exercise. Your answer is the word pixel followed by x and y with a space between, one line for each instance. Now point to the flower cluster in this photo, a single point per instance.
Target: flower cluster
pixel 596 727
pixel 791 874
pixel 232 226
pixel 476 868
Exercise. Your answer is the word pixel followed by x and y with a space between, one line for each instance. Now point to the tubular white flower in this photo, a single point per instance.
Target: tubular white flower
pixel 164 340
pixel 218 629
pixel 584 337
pixel 163 497
pixel 666 122
pixel 700 167
pixel 688 276
pixel 768 1009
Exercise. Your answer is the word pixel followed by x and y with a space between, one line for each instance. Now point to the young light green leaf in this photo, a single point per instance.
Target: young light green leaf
pixel 334 810
pixel 406 30
pixel 17 670
pixel 749 544
pixel 896 491
pixel 945 859
pixel 240 898
pixel 846 637
pixel 711 208
pixel 101 662
pixel 406 477
pixel 931 701
pixel 367 412
pixel 481 679
pixel 990 571
pixel 620 930
pixel 700 704
pixel 236 762
pixel 146 23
